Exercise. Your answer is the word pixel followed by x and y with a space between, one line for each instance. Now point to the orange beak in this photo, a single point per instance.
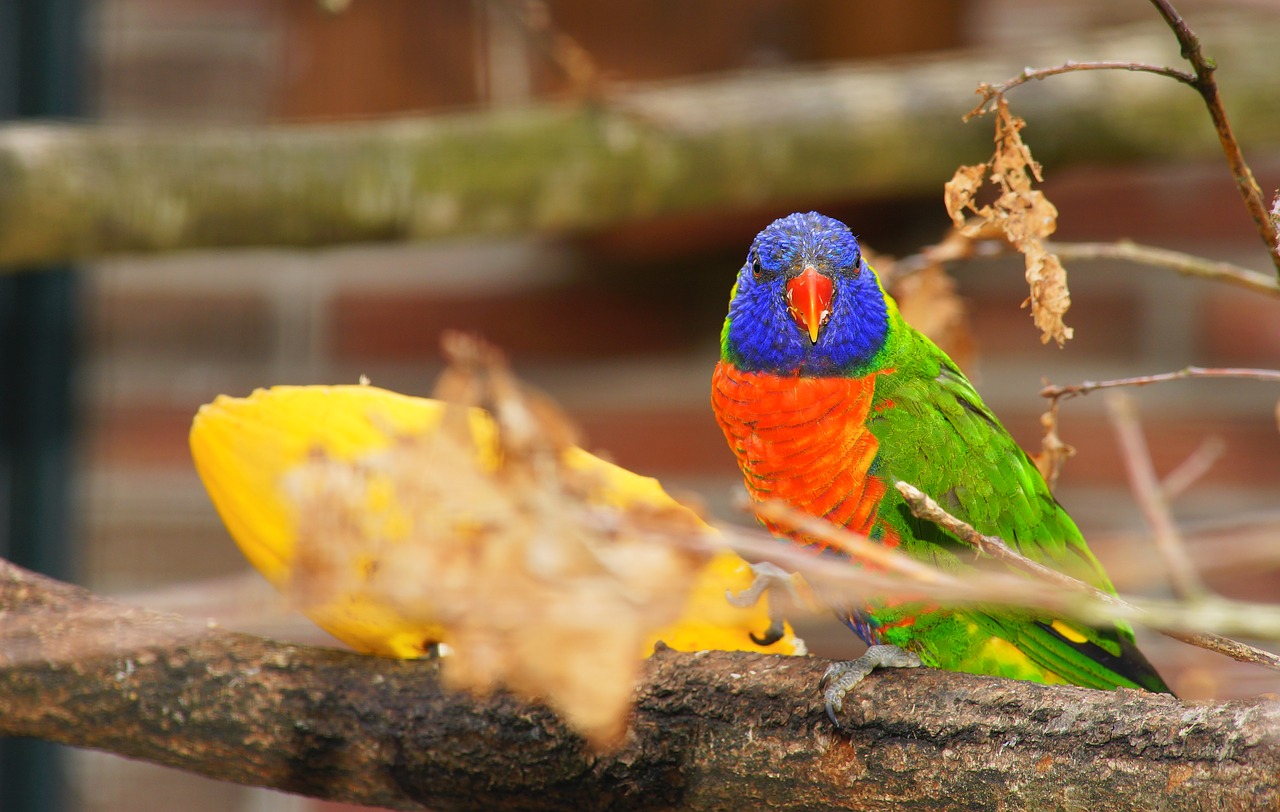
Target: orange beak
pixel 809 300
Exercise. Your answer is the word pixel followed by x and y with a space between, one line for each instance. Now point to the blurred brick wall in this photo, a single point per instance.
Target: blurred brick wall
pixel 166 334
pixel 621 327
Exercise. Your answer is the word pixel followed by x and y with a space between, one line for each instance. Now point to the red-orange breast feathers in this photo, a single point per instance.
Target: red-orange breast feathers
pixel 804 441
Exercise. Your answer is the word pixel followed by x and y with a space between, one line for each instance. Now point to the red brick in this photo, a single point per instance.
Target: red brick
pixel 1148 205
pixel 142 436
pixel 180 325
pixel 379 58
pixel 660 441
pixel 1240 328
pixel 682 39
pixel 1251 459
pixel 1104 325
pixel 574 323
pixel 144 549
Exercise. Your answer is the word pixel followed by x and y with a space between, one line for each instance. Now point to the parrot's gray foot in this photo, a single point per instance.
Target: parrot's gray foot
pixel 840 678
pixel 767 577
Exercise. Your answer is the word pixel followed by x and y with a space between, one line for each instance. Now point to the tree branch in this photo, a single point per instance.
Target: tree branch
pixel 74 191
pixel 991 92
pixel 953 250
pixel 710 731
pixel 1202 81
pixel 1207 86
pixel 1055 392
pixel 1183 263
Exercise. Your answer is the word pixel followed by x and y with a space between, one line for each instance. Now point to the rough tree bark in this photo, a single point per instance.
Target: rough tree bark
pixel 715 730
pixel 70 191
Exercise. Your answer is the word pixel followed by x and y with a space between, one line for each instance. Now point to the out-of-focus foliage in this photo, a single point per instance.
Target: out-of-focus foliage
pixel 397 522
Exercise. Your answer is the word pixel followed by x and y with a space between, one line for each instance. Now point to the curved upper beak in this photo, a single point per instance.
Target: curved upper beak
pixel 809 301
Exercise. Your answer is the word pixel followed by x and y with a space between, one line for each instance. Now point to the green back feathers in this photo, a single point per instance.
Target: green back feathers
pixel 937 434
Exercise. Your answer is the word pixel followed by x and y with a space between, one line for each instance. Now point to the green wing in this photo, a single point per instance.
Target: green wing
pixel 937 434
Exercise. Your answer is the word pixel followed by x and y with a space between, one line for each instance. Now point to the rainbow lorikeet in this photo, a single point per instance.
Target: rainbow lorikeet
pixel 827 398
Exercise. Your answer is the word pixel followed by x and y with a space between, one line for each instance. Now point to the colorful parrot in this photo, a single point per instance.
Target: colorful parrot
pixel 828 398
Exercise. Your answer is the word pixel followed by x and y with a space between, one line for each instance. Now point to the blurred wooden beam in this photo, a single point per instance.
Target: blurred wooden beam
pixel 80 191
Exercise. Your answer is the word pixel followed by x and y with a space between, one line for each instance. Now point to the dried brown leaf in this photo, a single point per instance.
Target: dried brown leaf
pixel 1274 214
pixel 928 301
pixel 1023 214
pixel 1054 453
pixel 1049 297
pixel 959 193
pixel 1013 159
pixel 477 374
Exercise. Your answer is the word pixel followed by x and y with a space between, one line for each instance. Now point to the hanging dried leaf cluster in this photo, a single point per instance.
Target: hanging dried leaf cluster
pixel 1022 214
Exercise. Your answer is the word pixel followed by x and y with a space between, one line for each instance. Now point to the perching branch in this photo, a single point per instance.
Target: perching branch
pixel 710 731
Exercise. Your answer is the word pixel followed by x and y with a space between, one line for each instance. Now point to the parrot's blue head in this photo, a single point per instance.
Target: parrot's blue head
pixel 805 302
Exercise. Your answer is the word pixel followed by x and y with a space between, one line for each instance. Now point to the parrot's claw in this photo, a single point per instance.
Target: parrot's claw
pixel 840 678
pixel 777 629
pixel 767 577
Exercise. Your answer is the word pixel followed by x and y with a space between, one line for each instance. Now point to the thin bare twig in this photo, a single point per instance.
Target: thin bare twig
pixel 950 249
pixel 993 546
pixel 1185 264
pixel 1057 392
pixel 1207 87
pixel 842 540
pixel 1196 465
pixel 1203 82
pixel 1168 541
pixel 834 582
pixel 990 92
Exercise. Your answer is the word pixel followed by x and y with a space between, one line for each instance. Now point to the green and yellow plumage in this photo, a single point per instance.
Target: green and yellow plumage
pixel 828 398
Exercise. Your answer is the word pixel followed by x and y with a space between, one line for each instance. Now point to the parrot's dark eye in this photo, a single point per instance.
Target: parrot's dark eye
pixel 757 270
